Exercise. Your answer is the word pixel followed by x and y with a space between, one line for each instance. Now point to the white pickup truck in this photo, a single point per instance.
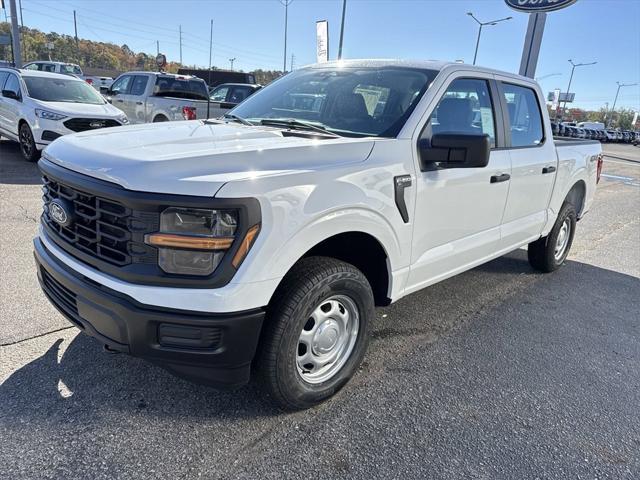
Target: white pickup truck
pixel 263 243
pixel 100 83
pixel 149 97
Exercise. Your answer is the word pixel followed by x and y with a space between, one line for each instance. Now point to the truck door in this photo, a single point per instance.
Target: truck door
pixel 119 94
pixel 135 100
pixel 533 164
pixel 459 210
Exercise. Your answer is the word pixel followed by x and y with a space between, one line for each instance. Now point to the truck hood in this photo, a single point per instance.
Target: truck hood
pixel 81 109
pixel 194 158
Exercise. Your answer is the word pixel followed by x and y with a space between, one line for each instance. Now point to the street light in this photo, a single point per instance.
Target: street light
pixel 482 24
pixel 613 110
pixel 286 4
pixel 231 60
pixel 573 67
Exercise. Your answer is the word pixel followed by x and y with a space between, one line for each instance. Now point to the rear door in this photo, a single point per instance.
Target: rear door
pixel 458 210
pixel 10 106
pixel 534 163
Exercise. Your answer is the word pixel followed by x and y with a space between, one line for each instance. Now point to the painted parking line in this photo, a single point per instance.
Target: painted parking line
pixel 626 180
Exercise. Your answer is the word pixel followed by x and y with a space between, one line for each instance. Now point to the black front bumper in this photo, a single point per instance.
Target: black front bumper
pixel 214 349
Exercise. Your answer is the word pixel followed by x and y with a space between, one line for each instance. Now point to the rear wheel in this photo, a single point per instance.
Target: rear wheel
pixel 549 253
pixel 316 332
pixel 160 118
pixel 27 144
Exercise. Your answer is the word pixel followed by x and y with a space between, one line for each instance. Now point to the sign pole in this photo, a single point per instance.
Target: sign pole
pixel 532 42
pixel 17 53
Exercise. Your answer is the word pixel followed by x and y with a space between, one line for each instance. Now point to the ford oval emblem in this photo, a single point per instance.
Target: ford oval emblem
pixel 534 6
pixel 59 213
pixel 97 124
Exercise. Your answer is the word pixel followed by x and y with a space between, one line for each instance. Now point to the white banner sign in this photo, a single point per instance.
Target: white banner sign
pixel 635 119
pixel 322 41
pixel 556 99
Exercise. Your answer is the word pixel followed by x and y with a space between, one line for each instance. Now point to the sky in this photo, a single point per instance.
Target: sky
pixel 252 32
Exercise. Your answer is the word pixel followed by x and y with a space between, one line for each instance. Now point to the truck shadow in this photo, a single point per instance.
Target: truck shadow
pixel 82 383
pixel 15 170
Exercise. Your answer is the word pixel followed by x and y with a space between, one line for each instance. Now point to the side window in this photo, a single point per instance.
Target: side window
pixel 525 121
pixel 219 94
pixel 32 66
pixel 465 108
pixel 121 85
pixel 46 67
pixel 139 85
pixel 12 84
pixel 238 94
pixel 3 77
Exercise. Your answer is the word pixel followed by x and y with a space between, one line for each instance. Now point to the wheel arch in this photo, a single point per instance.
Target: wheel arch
pixel 577 195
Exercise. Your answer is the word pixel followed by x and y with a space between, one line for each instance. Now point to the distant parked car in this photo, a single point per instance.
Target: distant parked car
pixel 38 107
pixel 561 130
pixel 97 82
pixel 581 133
pixel 226 96
pixel 555 128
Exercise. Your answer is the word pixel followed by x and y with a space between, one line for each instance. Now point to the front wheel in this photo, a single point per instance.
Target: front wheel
pixel 549 253
pixel 316 333
pixel 27 144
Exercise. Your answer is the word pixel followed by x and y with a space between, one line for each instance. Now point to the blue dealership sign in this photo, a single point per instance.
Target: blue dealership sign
pixel 535 6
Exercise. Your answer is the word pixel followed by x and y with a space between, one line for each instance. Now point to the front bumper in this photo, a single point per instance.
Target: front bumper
pixel 214 349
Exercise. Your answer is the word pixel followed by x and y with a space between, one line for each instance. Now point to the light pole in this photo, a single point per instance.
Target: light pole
pixel 286 4
pixel 231 60
pixel 573 67
pixel 344 9
pixel 613 109
pixel 482 24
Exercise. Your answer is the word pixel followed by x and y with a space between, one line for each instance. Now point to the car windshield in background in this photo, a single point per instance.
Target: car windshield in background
pixel 193 89
pixel 348 101
pixel 48 89
pixel 70 69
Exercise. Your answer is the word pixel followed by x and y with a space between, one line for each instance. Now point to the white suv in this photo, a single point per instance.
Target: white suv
pixel 38 107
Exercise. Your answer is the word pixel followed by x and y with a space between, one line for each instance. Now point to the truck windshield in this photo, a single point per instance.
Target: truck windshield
pixel 70 69
pixel 348 101
pixel 49 89
pixel 189 88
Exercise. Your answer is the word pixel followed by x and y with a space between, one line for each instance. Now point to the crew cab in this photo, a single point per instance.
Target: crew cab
pixel 261 243
pixel 228 95
pixel 147 97
pixel 100 83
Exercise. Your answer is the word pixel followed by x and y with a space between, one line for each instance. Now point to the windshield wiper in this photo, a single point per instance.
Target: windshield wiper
pixel 292 123
pixel 233 116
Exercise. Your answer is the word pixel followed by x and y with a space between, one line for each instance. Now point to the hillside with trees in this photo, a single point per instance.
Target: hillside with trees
pixel 89 53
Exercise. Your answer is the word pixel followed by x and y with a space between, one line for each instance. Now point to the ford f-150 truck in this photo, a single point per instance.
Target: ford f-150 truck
pixel 263 241
pixel 147 97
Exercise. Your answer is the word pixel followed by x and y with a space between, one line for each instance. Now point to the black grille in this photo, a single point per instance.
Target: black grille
pixel 100 227
pixel 84 124
pixel 64 298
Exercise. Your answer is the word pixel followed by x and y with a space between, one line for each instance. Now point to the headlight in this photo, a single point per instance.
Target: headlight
pixel 123 119
pixel 47 115
pixel 193 241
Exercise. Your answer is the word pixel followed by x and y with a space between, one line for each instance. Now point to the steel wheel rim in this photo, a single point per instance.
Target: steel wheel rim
pixel 562 240
pixel 25 142
pixel 327 339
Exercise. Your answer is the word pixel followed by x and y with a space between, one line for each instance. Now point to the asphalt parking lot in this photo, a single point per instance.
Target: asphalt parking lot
pixel 500 372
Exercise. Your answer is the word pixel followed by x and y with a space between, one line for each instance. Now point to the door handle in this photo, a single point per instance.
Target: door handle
pixel 138 103
pixel 548 169
pixel 120 101
pixel 503 177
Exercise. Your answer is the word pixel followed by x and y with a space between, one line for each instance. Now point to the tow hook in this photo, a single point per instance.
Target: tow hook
pixel 110 350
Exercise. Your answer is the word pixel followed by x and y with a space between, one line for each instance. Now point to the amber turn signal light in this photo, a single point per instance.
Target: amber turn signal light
pixel 247 241
pixel 169 240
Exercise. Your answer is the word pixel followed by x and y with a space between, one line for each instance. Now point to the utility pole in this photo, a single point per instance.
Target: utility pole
pixel 180 31
pixel 210 51
pixel 483 24
pixel 15 34
pixel 24 43
pixel 613 109
pixel 75 27
pixel 573 67
pixel 231 60
pixel 344 9
pixel 286 4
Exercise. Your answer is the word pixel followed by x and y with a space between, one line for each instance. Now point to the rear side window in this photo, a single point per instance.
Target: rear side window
pixel 465 108
pixel 238 94
pixel 12 84
pixel 139 85
pixel 3 78
pixel 525 121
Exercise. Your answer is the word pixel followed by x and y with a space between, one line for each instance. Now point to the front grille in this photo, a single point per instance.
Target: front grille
pixel 100 227
pixel 61 296
pixel 84 124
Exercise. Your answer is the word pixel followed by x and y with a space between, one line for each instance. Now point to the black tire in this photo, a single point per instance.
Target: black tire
pixel 27 144
pixel 542 253
pixel 160 118
pixel 311 283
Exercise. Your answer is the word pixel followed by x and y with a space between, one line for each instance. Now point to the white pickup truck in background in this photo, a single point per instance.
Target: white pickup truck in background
pixel 264 242
pixel 149 97
pixel 100 83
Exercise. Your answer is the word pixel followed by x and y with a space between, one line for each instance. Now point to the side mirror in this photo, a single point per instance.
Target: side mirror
pixel 455 150
pixel 10 94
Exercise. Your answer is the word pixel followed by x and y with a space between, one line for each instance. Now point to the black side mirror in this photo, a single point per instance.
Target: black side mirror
pixel 10 94
pixel 454 150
